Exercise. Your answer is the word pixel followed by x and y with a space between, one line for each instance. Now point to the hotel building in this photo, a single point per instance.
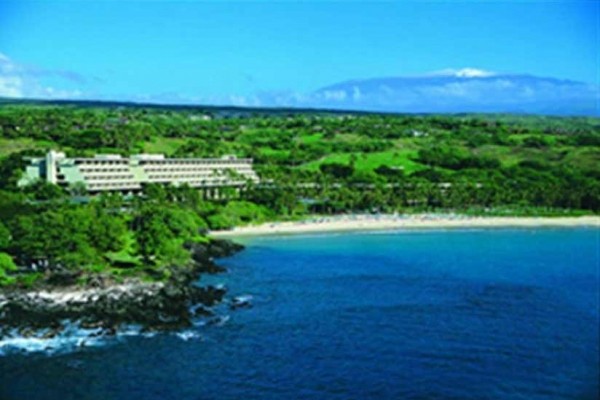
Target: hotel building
pixel 107 172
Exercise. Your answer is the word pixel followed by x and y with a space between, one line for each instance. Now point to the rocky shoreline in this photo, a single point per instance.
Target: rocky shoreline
pixel 106 307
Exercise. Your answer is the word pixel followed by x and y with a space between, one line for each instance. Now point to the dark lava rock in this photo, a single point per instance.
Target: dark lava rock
pixel 218 320
pixel 85 324
pixel 53 332
pixel 208 295
pixel 27 332
pixel 202 311
pixel 204 253
pixel 106 306
pixel 97 281
pixel 62 278
pixel 163 307
pixel 209 267
pixel 223 248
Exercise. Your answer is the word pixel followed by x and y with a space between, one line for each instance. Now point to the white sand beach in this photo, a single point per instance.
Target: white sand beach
pixel 388 221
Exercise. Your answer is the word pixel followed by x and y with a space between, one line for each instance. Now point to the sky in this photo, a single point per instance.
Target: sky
pixel 236 52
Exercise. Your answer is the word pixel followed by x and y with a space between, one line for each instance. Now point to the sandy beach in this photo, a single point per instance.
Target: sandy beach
pixel 386 222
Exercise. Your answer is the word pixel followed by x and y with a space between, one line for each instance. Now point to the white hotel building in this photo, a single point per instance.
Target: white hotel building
pixel 103 173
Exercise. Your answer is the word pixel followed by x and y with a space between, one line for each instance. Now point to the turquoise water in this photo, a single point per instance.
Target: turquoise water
pixel 470 314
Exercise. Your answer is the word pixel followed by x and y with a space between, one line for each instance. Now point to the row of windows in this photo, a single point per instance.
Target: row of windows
pixel 213 184
pixel 195 168
pixel 113 185
pixel 194 162
pixel 205 183
pixel 189 175
pixel 166 168
pixel 111 169
pixel 101 162
pixel 182 178
pixel 135 186
pixel 109 177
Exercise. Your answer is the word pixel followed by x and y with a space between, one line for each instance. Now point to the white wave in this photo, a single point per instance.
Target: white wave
pixel 219 321
pixel 73 338
pixel 130 330
pixel 188 335
pixel 243 298
pixel 70 339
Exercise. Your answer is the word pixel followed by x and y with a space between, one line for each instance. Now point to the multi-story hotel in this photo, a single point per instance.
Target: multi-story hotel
pixel 108 172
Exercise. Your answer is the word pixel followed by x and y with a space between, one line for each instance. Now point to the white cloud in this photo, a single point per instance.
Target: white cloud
pixel 335 95
pixel 464 73
pixel 356 94
pixel 11 86
pixel 243 101
pixel 453 89
pixel 19 81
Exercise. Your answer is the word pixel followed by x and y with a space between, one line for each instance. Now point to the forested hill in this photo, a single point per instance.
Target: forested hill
pixel 215 111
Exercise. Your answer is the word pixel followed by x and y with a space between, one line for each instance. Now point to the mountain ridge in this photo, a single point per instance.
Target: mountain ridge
pixel 451 93
pixel 445 92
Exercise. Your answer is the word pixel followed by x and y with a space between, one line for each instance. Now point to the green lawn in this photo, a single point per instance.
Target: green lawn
pixel 9 146
pixel 370 161
pixel 273 152
pixel 315 137
pixel 586 158
pixel 508 156
pixel 518 139
pixel 163 145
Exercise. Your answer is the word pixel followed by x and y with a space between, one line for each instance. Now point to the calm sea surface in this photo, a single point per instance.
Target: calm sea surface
pixel 471 314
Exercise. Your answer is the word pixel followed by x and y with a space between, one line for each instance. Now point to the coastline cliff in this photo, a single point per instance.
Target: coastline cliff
pixel 106 306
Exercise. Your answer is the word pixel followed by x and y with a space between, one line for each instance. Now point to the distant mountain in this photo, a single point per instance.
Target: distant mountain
pixel 465 90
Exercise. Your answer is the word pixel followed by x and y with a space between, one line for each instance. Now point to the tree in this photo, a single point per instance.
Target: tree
pixel 107 232
pixel 337 170
pixel 537 142
pixel 7 265
pixel 4 237
pixel 41 190
pixel 160 232
pixel 11 169
pixel 392 174
pixel 77 189
pixel 155 192
pixel 66 237
pixel 12 205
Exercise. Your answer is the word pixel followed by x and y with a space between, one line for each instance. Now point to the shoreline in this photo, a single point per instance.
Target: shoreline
pixel 366 222
pixel 50 312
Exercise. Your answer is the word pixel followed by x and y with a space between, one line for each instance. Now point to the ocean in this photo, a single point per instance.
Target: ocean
pixel 432 314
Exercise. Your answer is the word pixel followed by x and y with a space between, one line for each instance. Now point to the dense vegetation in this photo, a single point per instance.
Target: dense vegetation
pixel 309 163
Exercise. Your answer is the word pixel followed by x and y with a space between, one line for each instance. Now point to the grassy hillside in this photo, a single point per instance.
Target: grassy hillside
pixel 302 142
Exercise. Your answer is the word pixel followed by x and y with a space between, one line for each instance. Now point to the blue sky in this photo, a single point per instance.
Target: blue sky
pixel 220 51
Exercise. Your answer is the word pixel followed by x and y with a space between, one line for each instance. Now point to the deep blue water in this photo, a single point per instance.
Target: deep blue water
pixel 472 314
